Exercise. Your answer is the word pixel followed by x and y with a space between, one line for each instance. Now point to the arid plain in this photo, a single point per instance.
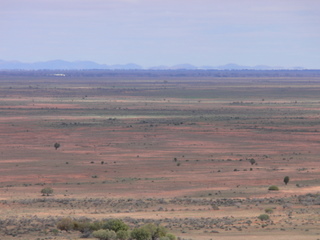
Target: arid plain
pixel 173 149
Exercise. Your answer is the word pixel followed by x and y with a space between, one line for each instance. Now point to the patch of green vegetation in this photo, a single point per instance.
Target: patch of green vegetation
pixel 273 188
pixel 264 217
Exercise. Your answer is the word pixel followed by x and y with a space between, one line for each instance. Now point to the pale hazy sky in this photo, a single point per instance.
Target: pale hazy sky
pixel 163 32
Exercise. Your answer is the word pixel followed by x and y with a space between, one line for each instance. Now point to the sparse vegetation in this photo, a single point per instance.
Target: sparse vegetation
pixel 273 188
pixel 269 210
pixel 66 224
pixel 252 161
pixel 56 145
pixel 46 191
pixel 264 217
pixel 286 180
pixel 125 141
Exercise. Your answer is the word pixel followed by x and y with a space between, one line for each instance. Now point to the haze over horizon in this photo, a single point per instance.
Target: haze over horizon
pixel 151 33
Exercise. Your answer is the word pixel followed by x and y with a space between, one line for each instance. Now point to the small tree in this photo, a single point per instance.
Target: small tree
pixel 47 191
pixel 56 145
pixel 252 161
pixel 286 179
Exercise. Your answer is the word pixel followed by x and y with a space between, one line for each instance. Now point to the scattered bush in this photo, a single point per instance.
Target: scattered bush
pixel 140 234
pixel 56 145
pixel 82 226
pixel 273 188
pixel 115 225
pixel 65 224
pixel 264 217
pixel 47 191
pixel 164 238
pixel 286 179
pixel 112 229
pixel 252 161
pixel 269 210
pixel 97 225
pixel 170 236
pixel 123 235
pixel 100 234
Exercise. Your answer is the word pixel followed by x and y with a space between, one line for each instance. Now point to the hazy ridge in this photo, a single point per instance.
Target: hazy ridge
pixel 83 65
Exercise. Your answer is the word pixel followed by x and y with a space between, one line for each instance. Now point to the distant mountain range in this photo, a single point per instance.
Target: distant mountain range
pixel 86 65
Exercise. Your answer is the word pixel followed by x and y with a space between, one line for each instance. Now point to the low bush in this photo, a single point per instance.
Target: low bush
pixel 104 234
pixel 123 235
pixel 269 210
pixel 264 217
pixel 273 188
pixel 65 224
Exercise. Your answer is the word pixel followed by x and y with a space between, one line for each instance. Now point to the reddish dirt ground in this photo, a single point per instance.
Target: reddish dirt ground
pixel 151 143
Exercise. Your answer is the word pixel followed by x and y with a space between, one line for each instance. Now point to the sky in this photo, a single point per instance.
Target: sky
pixel 163 32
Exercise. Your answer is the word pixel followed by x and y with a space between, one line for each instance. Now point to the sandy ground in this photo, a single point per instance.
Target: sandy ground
pixel 144 144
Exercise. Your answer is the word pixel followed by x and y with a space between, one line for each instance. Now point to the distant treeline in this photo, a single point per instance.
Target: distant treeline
pixel 160 73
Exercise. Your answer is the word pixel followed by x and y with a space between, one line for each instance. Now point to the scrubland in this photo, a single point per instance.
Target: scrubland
pixel 173 150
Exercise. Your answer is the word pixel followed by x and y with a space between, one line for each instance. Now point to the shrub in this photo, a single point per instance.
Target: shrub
pixel 46 191
pixel 252 161
pixel 269 210
pixel 100 234
pixel 81 226
pixel 55 232
pixel 65 224
pixel 56 145
pixel 273 188
pixel 171 236
pixel 264 217
pixel 286 179
pixel 115 225
pixel 94 226
pixel 140 234
pixel 123 235
pixel 104 234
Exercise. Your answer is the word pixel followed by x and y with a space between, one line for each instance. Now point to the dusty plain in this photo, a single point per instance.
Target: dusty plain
pixel 173 150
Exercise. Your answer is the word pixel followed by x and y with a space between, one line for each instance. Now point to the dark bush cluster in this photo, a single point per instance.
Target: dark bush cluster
pixel 114 229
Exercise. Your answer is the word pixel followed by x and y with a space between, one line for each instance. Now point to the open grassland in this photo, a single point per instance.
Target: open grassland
pixel 174 151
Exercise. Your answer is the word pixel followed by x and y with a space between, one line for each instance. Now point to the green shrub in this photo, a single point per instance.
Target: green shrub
pixel 65 224
pixel 100 234
pixel 171 236
pixel 81 226
pixel 47 191
pixel 115 225
pixel 264 217
pixel 123 235
pixel 273 188
pixel 55 232
pixel 140 234
pixel 97 225
pixel 155 231
pixel 286 180
pixel 104 234
pixel 269 210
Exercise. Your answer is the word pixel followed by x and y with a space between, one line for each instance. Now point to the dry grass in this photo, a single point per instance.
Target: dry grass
pixel 163 141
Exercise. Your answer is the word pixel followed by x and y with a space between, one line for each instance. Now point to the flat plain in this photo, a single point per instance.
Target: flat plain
pixel 195 154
